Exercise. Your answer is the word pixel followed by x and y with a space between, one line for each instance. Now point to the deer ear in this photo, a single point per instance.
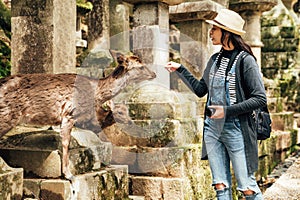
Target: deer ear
pixel 120 58
pixel 113 54
pixel 118 71
pixel 117 56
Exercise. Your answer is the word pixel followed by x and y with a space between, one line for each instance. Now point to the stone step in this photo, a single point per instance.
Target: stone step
pixel 275 62
pixel 154 133
pixel 282 121
pixel 162 110
pixel 153 102
pixel 287 186
pixel 11 181
pixel 157 166
pixel 275 149
pixel 169 188
pixel 151 161
pixel 275 104
pixel 158 187
pixel 39 152
pixel 109 183
pixel 166 161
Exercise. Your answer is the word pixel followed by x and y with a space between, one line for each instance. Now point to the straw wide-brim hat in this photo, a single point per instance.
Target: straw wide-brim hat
pixel 229 21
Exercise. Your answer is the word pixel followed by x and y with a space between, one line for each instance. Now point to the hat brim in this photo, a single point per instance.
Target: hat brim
pixel 238 32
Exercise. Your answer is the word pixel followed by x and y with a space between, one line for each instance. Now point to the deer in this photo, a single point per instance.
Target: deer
pixel 65 99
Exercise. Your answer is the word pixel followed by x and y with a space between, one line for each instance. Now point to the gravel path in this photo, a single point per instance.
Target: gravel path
pixel 287 186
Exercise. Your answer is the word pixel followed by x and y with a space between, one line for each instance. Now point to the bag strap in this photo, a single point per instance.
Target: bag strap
pixel 241 83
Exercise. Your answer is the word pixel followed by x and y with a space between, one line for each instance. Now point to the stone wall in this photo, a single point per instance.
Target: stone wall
pixel 281 56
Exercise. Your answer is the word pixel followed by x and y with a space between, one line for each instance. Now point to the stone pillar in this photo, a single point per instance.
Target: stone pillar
pixel 251 11
pixel 43 36
pixel 253 32
pixel 96 58
pixel 151 35
pixel 98 26
pixel 195 45
pixel 119 25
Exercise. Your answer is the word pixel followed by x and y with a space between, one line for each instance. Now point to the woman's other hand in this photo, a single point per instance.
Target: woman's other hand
pixel 172 66
pixel 218 112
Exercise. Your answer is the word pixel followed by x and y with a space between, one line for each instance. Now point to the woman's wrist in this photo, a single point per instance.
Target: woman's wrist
pixel 172 66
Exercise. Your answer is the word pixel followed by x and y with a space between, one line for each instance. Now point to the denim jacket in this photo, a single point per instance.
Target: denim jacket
pixel 250 94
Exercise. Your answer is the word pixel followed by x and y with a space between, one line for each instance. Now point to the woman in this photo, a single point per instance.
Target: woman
pixel 234 89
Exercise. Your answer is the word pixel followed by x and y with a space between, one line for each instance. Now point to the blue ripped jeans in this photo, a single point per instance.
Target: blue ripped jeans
pixel 224 143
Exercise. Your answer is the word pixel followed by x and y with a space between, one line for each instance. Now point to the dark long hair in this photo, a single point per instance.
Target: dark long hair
pixel 237 42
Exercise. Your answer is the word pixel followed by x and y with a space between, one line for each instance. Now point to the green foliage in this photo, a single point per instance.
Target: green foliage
pixel 5 19
pixel 5 35
pixel 5 64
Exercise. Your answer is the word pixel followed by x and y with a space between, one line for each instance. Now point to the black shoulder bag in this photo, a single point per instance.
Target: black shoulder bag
pixel 261 116
pixel 263 123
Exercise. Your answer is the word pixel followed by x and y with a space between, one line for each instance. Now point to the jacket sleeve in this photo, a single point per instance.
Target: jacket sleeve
pixel 250 87
pixel 199 87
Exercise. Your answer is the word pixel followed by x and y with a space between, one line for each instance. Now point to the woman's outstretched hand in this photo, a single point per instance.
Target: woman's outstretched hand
pixel 172 66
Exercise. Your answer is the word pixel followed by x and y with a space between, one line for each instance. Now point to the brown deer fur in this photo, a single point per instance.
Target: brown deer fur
pixel 64 99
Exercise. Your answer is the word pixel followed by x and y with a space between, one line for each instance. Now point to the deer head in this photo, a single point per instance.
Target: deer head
pixel 130 70
pixel 132 65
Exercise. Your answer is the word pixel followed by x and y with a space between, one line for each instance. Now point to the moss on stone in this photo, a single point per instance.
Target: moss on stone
pixel 85 161
pixel 6 187
pixel 111 186
pixel 197 174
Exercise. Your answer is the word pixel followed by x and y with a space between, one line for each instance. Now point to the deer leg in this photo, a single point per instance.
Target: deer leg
pixel 65 134
pixel 7 124
pixel 4 130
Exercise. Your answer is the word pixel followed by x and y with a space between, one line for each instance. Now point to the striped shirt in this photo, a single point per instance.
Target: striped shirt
pixel 222 66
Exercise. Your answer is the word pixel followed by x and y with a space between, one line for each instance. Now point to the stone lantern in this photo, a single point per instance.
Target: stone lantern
pixel 251 11
pixel 151 34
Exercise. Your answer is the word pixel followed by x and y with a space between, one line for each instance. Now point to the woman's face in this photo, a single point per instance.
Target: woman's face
pixel 215 34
